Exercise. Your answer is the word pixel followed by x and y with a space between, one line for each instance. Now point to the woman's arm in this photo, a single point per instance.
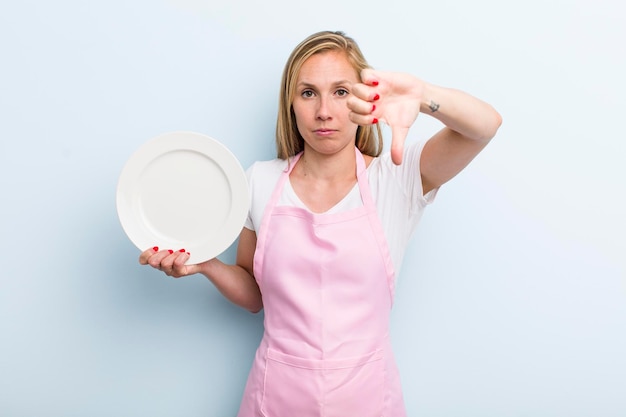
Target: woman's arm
pixel 235 282
pixel 469 126
pixel 398 98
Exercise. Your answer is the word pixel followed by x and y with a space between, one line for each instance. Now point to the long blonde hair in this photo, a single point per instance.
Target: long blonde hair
pixel 289 142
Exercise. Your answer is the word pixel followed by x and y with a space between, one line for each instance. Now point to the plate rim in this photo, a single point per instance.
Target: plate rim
pixel 175 141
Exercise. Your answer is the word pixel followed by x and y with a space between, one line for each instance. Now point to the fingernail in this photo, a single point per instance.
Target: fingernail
pixel 188 254
pixel 374 121
pixel 156 248
pixel 182 250
pixel 170 251
pixel 374 83
pixel 376 97
pixel 373 108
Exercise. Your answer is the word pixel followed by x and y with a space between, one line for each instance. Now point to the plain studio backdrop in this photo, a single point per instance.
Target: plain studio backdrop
pixel 512 298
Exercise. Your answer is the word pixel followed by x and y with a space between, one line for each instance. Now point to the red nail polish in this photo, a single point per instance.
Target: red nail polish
pixel 376 97
pixel 170 251
pixel 188 253
pixel 374 83
pixel 156 248
pixel 373 108
pixel 182 250
pixel 374 121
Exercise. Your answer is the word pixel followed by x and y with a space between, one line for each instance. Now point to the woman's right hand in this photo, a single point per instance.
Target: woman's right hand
pixel 171 262
pixel 235 282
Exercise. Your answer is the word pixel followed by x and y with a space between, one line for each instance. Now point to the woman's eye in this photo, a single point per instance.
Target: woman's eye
pixel 307 93
pixel 342 92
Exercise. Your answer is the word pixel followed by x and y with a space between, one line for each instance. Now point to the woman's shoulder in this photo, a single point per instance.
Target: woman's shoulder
pixel 262 178
pixel 405 179
pixel 265 173
pixel 270 167
pixel 411 158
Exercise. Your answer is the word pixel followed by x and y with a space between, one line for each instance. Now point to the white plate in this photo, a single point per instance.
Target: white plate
pixel 183 190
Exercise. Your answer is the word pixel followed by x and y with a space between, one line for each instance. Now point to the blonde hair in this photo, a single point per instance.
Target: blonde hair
pixel 289 142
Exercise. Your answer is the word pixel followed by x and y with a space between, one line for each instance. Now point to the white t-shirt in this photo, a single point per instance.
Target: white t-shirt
pixel 396 189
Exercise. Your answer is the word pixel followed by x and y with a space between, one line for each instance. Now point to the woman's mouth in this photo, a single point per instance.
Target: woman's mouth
pixel 324 132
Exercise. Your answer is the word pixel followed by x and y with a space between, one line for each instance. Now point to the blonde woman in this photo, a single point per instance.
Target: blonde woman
pixel 328 226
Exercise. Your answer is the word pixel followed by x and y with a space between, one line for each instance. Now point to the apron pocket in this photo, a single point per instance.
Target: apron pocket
pixel 299 387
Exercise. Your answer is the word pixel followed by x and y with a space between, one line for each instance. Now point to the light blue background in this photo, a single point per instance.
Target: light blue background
pixel 512 300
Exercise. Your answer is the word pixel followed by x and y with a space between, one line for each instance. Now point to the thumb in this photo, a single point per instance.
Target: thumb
pixel 398 136
pixel 191 269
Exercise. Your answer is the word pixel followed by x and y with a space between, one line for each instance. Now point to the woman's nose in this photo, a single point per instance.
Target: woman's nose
pixel 323 110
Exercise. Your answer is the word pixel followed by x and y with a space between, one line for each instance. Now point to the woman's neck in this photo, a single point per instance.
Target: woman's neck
pixel 321 181
pixel 339 166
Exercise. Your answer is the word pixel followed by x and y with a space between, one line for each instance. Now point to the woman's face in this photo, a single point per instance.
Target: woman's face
pixel 320 102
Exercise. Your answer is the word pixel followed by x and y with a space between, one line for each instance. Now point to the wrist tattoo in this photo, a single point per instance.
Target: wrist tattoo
pixel 433 106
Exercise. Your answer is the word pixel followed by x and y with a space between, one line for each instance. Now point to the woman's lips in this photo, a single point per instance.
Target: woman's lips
pixel 325 132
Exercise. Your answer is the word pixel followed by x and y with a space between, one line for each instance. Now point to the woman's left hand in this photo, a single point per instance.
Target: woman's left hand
pixel 172 263
pixel 390 97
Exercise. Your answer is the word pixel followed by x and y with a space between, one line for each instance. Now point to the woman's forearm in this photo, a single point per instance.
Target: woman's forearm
pixel 461 112
pixel 235 283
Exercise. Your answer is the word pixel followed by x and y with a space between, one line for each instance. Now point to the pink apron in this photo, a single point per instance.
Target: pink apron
pixel 327 285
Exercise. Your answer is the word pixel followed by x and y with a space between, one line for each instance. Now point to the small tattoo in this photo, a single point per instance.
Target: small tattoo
pixel 433 106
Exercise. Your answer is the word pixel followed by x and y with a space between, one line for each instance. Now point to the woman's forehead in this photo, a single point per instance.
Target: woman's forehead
pixel 327 66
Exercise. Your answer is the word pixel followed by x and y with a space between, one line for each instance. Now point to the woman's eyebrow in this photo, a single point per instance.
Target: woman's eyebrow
pixel 334 84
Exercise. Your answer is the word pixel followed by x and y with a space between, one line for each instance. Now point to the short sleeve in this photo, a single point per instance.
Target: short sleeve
pixel 408 176
pixel 249 224
pixel 262 177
